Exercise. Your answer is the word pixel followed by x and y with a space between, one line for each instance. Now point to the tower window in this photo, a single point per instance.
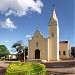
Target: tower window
pixel 59 53
pixel 63 52
pixel 52 34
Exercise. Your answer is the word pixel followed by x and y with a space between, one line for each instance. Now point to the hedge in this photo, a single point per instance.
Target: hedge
pixel 18 68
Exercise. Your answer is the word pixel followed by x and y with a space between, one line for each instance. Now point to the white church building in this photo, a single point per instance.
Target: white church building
pixel 50 49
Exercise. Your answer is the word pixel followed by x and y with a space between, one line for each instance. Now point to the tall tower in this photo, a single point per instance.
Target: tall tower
pixel 53 38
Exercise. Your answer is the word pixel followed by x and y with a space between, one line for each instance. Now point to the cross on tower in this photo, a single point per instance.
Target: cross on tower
pixel 53 6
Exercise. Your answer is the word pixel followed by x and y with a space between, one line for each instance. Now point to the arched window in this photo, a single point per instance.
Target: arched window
pixel 63 52
pixel 36 44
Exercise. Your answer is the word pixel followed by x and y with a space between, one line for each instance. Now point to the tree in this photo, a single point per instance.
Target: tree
pixel 20 48
pixel 25 52
pixel 3 51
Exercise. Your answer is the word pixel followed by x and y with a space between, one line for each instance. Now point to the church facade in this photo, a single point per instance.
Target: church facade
pixel 50 48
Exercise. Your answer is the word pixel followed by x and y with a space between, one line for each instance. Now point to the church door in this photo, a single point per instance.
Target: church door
pixel 37 54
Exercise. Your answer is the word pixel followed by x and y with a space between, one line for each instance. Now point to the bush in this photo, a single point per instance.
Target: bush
pixel 18 68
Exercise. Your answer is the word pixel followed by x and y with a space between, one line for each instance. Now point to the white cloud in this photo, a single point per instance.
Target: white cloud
pixel 20 7
pixel 7 41
pixel 8 24
pixel 28 36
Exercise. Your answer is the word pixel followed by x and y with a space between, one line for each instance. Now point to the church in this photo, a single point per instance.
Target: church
pixel 50 49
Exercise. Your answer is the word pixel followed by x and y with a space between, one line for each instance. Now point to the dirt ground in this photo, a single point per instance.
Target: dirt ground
pixel 3 65
pixel 64 67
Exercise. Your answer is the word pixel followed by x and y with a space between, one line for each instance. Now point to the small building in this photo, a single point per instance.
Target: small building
pixel 11 56
pixel 64 49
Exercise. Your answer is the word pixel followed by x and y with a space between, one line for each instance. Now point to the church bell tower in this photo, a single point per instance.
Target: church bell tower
pixel 53 38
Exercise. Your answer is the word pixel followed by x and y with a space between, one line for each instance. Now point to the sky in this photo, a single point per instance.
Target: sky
pixel 19 20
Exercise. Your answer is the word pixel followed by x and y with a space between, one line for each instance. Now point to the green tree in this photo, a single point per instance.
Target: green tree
pixel 3 51
pixel 25 52
pixel 20 48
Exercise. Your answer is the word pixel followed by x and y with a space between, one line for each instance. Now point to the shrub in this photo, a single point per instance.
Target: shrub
pixel 18 68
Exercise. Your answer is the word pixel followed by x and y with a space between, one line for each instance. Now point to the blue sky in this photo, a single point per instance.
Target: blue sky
pixel 19 19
